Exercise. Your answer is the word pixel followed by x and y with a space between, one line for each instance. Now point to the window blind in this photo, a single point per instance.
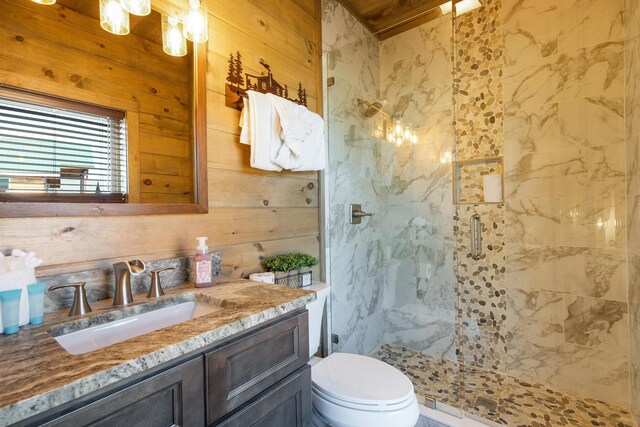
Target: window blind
pixel 58 150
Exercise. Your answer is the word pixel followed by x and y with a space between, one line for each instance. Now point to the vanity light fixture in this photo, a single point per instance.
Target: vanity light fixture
pixel 113 17
pixel 462 6
pixel 173 41
pixel 195 23
pixel 47 2
pixel 137 7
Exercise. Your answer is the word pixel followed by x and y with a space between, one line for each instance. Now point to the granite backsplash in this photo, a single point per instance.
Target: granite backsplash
pixel 100 282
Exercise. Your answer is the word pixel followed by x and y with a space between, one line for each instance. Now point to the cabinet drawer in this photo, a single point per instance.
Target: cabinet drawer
pixel 287 404
pixel 241 370
pixel 171 398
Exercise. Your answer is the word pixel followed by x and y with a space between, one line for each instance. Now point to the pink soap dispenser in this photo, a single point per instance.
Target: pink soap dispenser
pixel 202 264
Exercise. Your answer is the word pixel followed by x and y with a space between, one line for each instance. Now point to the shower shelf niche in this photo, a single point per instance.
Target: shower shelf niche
pixel 467 179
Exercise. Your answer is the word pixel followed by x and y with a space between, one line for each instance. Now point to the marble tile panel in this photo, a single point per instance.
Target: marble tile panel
pixel 356 310
pixel 534 175
pixel 414 327
pixel 533 221
pixel 599 273
pixel 576 172
pixel 588 72
pixel 530 29
pixel 597 323
pixel 531 129
pixel 591 121
pixel 598 374
pixel 594 170
pixel 536 313
pixel 594 222
pixel 586 23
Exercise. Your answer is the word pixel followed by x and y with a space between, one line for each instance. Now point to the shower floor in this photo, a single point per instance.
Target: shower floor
pixel 519 402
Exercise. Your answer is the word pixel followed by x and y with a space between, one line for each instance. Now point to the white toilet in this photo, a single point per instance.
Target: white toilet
pixel 350 390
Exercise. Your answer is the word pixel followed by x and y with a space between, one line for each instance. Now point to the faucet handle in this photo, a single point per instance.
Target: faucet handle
pixel 155 290
pixel 80 304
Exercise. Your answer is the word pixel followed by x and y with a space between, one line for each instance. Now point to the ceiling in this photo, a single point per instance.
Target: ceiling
pixel 386 18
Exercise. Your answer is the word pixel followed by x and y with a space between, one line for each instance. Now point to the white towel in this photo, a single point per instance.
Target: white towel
pixel 302 133
pixel 260 128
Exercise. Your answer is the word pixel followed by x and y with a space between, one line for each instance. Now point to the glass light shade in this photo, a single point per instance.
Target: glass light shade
pixel 47 2
pixel 446 8
pixel 137 7
pixel 464 6
pixel 414 137
pixel 113 17
pixel 398 126
pixel 407 131
pixel 195 23
pixel 173 41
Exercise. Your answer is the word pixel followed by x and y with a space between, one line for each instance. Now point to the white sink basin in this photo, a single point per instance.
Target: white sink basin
pixel 100 336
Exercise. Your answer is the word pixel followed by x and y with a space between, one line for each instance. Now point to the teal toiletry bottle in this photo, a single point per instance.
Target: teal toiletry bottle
pixel 202 264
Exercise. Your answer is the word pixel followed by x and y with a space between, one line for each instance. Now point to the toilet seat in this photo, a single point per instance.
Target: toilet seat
pixel 361 382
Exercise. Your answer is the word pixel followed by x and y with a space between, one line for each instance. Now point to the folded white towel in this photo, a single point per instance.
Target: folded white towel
pixel 261 126
pixel 302 133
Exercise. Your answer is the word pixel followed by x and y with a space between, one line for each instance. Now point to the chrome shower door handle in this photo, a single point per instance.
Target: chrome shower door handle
pixel 475 232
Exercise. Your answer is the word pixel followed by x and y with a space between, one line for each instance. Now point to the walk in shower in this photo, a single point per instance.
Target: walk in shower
pixel 542 325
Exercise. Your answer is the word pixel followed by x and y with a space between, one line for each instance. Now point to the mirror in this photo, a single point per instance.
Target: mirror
pixel 59 58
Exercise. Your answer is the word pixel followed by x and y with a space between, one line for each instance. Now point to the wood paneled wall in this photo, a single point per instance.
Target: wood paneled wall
pixel 252 213
pixel 64 52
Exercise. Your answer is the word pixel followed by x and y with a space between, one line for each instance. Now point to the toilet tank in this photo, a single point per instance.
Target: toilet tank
pixel 316 309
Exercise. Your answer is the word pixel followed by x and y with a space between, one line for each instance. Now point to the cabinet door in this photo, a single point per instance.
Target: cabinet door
pixel 287 404
pixel 171 398
pixel 245 368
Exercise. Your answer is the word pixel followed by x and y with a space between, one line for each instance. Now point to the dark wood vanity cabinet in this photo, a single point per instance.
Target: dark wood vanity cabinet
pixel 257 378
pixel 171 398
pixel 241 370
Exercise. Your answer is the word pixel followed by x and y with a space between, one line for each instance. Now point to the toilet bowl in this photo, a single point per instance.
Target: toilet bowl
pixel 350 390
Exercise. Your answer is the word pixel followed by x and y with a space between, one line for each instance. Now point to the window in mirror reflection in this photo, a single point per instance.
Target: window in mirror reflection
pixel 55 150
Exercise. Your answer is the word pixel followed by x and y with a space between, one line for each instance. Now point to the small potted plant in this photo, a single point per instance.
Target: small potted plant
pixel 288 265
pixel 282 266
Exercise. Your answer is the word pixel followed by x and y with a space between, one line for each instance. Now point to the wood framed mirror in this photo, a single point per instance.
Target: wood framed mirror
pixel 58 57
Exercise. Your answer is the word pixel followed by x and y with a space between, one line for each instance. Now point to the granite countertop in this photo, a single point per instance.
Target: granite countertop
pixel 38 374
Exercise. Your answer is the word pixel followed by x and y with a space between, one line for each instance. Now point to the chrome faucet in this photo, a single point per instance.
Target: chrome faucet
pixel 122 273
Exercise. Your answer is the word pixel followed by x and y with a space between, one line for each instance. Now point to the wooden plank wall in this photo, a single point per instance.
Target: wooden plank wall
pixel 46 45
pixel 252 213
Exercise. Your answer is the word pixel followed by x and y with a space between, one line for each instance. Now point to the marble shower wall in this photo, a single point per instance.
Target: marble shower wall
pixel 632 135
pixel 567 313
pixel 416 73
pixel 358 276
